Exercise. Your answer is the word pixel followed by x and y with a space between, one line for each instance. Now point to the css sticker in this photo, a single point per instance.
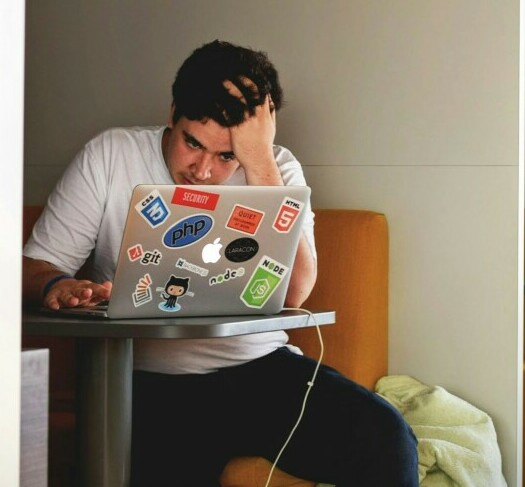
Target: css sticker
pixel 241 250
pixel 287 215
pixel 188 231
pixel 264 281
pixel 153 209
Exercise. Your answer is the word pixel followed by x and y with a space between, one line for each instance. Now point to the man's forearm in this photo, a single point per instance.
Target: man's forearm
pixel 35 275
pixel 303 277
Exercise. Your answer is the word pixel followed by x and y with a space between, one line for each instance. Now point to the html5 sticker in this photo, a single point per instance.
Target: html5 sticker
pixel 287 215
pixel 244 219
pixel 195 199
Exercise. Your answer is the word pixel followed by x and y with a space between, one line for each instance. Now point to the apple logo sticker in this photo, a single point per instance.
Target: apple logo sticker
pixel 211 252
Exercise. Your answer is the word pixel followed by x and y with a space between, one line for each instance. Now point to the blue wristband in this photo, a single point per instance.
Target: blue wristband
pixel 53 281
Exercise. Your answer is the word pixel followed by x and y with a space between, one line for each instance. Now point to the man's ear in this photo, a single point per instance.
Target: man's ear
pixel 172 113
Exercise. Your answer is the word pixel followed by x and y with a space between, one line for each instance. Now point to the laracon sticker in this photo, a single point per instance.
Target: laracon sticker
pixel 194 198
pixel 153 209
pixel 264 281
pixel 244 219
pixel 241 249
pixel 187 231
pixel 143 294
pixel 287 215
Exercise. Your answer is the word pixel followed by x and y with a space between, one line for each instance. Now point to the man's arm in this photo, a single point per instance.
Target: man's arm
pixel 65 293
pixel 252 144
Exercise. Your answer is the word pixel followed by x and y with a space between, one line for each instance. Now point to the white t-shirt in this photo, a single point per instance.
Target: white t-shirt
pixel 87 212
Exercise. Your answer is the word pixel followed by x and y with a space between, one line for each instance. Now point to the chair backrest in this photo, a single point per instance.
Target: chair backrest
pixel 352 247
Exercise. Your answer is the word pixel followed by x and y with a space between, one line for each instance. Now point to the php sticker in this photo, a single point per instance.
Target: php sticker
pixel 264 281
pixel 153 209
pixel 188 231
pixel 244 219
pixel 194 198
pixel 287 215
pixel 241 250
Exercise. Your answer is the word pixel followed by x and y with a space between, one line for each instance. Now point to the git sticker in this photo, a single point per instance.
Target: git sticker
pixel 264 281
pixel 287 215
pixel 153 209
pixel 244 219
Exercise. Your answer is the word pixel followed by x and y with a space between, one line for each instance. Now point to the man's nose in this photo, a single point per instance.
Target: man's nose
pixel 202 166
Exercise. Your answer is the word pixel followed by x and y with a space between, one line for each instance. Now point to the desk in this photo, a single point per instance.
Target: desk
pixel 105 369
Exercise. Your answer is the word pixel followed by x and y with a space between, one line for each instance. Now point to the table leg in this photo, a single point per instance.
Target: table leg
pixel 104 388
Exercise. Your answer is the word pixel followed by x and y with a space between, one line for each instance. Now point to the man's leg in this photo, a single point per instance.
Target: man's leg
pixel 348 435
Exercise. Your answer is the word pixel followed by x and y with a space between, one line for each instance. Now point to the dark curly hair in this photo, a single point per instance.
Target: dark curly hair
pixel 198 91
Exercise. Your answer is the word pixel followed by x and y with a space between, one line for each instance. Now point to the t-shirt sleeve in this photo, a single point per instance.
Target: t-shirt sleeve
pixel 67 230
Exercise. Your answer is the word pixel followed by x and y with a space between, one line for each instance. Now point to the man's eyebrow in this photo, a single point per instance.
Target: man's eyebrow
pixel 193 140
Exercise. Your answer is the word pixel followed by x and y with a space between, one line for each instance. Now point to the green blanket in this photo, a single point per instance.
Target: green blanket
pixel 457 442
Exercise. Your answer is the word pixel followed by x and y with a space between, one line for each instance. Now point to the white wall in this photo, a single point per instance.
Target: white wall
pixel 406 107
pixel 11 144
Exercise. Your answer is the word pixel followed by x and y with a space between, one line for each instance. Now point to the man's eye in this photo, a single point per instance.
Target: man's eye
pixel 192 144
pixel 227 157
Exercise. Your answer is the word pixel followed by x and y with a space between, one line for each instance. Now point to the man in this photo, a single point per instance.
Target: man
pixel 197 403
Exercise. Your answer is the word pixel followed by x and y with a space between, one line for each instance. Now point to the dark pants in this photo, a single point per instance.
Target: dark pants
pixel 187 427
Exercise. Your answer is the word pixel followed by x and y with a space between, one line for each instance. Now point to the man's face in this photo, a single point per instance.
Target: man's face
pixel 198 152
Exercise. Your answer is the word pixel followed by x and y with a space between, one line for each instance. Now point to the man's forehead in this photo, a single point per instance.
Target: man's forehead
pixel 208 133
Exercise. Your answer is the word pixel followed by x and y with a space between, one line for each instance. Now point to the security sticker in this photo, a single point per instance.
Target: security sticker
pixel 194 198
pixel 264 281
pixel 287 215
pixel 244 219
pixel 142 294
pixel 153 209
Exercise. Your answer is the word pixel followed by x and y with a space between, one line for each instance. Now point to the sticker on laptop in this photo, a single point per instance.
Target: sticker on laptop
pixel 241 249
pixel 188 266
pixel 135 252
pixel 244 219
pixel 187 231
pixel 264 281
pixel 287 215
pixel 153 209
pixel 211 253
pixel 226 276
pixel 142 294
pixel 174 289
pixel 195 199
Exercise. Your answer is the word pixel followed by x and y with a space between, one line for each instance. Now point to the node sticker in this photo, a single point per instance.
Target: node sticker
pixel 195 199
pixel 264 281
pixel 153 209
pixel 287 215
pixel 244 219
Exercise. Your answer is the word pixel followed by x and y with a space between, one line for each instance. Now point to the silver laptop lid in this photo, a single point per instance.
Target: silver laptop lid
pixel 207 250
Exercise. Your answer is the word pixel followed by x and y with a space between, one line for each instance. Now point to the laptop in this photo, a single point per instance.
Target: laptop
pixel 205 251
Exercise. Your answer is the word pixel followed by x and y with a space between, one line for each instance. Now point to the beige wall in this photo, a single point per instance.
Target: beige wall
pixel 408 107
